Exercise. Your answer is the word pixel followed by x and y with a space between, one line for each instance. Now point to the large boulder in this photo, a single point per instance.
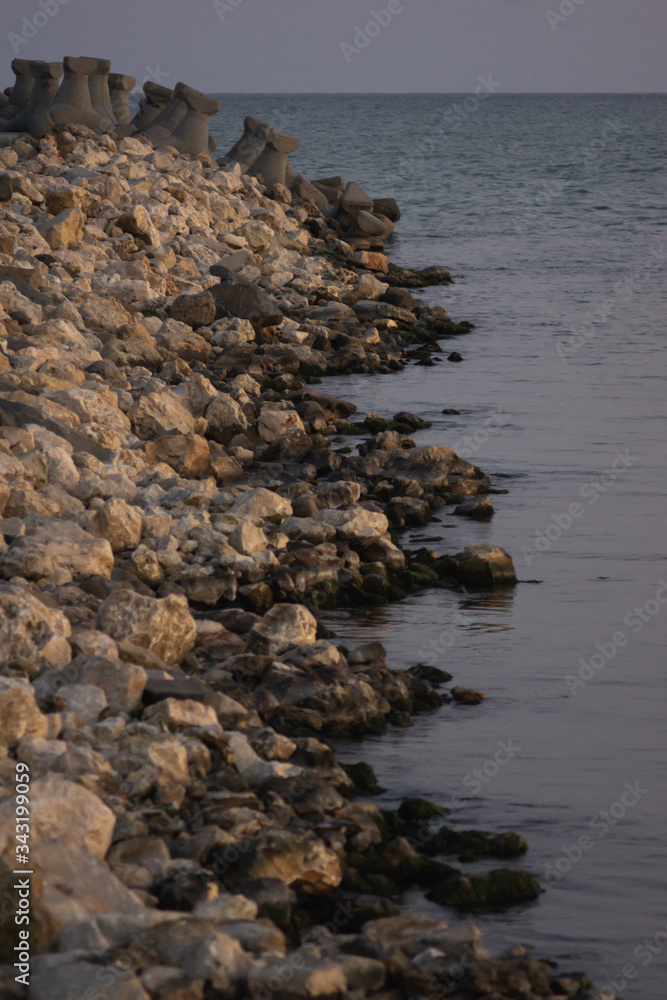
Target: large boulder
pixel 159 413
pixel 56 551
pixel 194 309
pixel 358 526
pixel 281 628
pixel 32 631
pixel 178 338
pixel 247 301
pixel 299 860
pixel 225 419
pixel 261 503
pixel 76 885
pixel 164 626
pixel 80 979
pixel 481 566
pixel 276 420
pixel 122 683
pixel 58 809
pixel 120 524
pixel 19 714
pixel 63 229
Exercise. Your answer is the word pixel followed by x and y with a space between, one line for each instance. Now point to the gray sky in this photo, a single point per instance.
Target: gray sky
pixel 295 45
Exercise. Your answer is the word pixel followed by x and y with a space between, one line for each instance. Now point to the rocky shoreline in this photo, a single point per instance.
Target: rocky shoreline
pixel 177 499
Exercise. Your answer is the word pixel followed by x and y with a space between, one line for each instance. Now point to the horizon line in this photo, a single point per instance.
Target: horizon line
pixel 438 93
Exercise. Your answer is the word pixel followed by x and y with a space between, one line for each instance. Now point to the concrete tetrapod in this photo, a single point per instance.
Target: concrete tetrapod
pixel 21 90
pixel 36 116
pixel 168 119
pixel 155 98
pixel 191 134
pixel 100 98
pixel 120 87
pixel 250 146
pixel 271 164
pixel 72 105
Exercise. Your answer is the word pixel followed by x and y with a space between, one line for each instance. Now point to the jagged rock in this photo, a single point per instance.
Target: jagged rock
pixel 248 538
pixel 122 683
pixel 163 626
pixel 275 420
pixel 225 419
pixel 358 526
pixel 64 229
pixel 313 978
pixel 247 301
pixel 159 413
pixel 188 455
pixel 57 807
pixel 261 503
pixel 477 508
pixel 56 551
pixel 196 310
pixel 84 700
pixel 179 714
pixel 481 566
pixel 32 631
pixel 138 223
pixel 178 338
pixel 120 524
pixel 78 978
pixel 281 628
pixel 302 861
pixel 19 713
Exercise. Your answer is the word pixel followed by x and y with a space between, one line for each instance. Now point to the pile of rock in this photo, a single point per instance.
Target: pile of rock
pixel 90 95
pixel 262 151
pixel 170 495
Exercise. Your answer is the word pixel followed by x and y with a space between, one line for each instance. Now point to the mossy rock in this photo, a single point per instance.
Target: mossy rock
pixel 369 883
pixel 418 810
pixel 360 598
pixel 376 568
pixel 433 675
pixel 422 871
pixel 323 632
pixel 364 778
pixel 469 845
pixel 356 909
pixel 394 825
pixel 466 696
pixel 498 890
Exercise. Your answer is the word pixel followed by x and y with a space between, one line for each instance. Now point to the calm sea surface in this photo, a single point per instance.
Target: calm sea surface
pixel 541 207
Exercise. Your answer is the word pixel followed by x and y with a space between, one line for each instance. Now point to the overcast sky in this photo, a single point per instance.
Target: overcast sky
pixel 280 46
